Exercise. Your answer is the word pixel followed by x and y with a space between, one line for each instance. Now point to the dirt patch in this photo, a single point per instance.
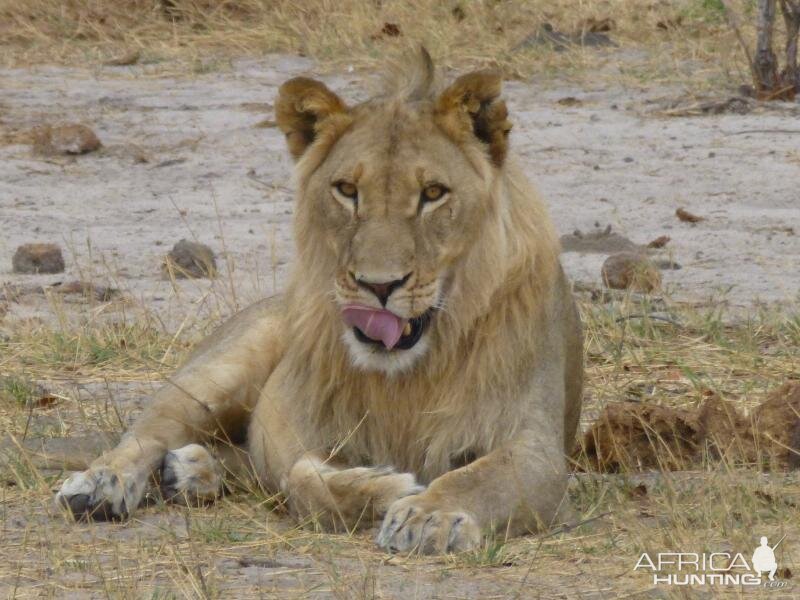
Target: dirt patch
pixel 20 293
pixel 599 241
pixel 691 107
pixel 634 436
pixel 84 288
pixel 57 454
pixel 589 37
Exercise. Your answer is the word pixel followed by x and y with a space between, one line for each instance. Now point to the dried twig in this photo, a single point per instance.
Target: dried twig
pixel 761 131
pixel 653 317
pixel 733 22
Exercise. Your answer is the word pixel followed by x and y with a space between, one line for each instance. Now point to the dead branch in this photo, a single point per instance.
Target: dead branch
pixel 733 23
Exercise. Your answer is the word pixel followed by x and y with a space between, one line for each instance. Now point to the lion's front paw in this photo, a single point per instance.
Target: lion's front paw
pixel 102 495
pixel 345 497
pixel 416 524
pixel 190 475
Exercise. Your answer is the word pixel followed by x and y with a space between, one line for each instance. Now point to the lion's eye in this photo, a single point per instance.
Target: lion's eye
pixel 433 192
pixel 347 189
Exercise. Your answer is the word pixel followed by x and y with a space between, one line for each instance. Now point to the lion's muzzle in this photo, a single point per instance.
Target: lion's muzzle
pixel 379 326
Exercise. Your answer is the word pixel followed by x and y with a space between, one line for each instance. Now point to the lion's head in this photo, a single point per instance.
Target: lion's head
pixel 394 195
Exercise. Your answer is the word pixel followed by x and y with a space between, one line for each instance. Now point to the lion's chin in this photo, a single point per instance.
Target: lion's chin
pixel 371 357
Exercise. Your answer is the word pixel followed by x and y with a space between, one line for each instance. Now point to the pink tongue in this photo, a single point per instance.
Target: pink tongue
pixel 374 323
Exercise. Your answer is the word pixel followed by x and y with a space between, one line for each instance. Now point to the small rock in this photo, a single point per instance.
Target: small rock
pixel 630 270
pixel 190 260
pixel 659 242
pixel 72 138
pixel 38 258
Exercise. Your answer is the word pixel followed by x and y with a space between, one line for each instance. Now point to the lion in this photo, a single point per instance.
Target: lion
pixel 423 369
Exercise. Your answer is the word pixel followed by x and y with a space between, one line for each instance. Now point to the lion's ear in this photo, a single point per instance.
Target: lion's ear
pixel 472 106
pixel 303 110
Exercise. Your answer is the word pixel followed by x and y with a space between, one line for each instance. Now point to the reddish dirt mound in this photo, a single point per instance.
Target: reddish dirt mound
pixel 631 436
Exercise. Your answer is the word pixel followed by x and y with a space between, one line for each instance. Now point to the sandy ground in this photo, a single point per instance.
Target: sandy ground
pixel 211 175
pixel 183 158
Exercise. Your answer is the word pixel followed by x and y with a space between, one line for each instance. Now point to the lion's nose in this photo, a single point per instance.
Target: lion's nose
pixel 382 290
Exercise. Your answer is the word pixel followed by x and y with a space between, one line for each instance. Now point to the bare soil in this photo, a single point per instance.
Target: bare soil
pixel 182 157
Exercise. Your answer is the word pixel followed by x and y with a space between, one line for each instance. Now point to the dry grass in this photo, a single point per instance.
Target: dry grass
pixel 245 545
pixel 658 41
pixel 672 354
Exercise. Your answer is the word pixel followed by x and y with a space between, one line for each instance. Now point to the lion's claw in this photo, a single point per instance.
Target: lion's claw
pixel 100 495
pixel 414 524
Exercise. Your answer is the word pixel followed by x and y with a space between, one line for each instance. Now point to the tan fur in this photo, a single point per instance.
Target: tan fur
pixel 480 411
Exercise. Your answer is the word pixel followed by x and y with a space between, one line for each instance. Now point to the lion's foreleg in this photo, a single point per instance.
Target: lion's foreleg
pixel 207 399
pixel 289 456
pixel 345 498
pixel 516 487
pixel 180 416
